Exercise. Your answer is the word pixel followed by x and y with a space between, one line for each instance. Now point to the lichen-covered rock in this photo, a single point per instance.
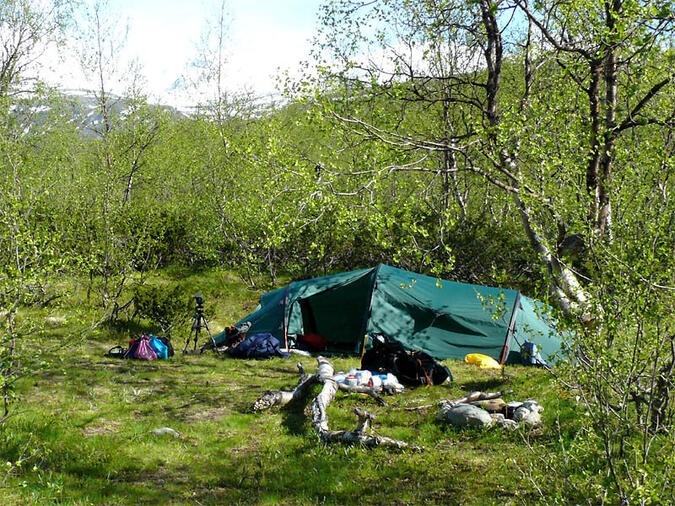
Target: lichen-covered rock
pixel 466 415
pixel 527 416
pixel 166 431
pixel 533 406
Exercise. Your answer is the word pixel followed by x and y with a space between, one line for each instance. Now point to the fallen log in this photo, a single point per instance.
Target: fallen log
pixel 472 397
pixel 272 398
pixel 361 434
pixel 478 396
pixel 324 375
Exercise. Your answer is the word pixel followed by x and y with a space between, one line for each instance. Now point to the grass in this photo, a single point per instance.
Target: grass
pixel 83 424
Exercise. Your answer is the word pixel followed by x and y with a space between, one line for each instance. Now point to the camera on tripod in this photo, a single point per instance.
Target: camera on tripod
pixel 200 302
pixel 198 322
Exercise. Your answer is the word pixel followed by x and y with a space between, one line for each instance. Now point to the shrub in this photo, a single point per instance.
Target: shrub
pixel 165 307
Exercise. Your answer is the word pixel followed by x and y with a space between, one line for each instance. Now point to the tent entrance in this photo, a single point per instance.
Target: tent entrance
pixel 338 314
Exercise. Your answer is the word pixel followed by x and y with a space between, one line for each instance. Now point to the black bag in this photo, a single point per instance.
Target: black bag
pixel 116 352
pixel 410 367
pixel 133 346
pixel 435 373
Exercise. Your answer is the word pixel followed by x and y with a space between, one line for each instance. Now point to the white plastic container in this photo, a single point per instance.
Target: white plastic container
pixel 351 380
pixel 376 381
pixel 363 377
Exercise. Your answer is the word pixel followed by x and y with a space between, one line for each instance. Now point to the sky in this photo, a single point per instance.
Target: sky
pixel 263 37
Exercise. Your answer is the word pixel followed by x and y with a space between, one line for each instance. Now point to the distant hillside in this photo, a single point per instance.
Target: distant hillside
pixel 75 107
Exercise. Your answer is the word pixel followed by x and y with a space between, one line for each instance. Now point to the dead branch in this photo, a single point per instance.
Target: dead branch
pixel 362 434
pixel 272 398
pixel 359 389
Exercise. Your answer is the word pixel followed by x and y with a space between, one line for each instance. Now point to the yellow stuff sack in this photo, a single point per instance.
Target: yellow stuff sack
pixel 482 361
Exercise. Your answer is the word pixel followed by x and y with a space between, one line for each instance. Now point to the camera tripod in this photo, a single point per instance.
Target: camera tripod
pixel 198 322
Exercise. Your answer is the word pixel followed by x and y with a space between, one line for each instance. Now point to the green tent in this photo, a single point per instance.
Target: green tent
pixel 443 318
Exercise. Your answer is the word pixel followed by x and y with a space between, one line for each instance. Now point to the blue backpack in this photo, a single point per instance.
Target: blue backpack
pixel 258 346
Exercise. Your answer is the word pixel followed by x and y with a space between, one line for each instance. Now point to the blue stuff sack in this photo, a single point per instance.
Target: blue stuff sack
pixel 159 347
pixel 259 346
pixel 529 354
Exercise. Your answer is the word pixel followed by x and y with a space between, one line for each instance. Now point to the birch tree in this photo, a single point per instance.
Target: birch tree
pixel 567 109
pixel 28 259
pixel 124 135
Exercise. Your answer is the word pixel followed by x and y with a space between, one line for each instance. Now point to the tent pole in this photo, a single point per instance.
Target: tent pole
pixel 511 328
pixel 366 317
pixel 288 289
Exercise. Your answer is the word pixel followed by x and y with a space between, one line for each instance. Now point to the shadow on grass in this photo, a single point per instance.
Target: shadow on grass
pixel 290 370
pixel 124 328
pixel 486 385
pixel 293 417
pixel 337 476
pixel 295 421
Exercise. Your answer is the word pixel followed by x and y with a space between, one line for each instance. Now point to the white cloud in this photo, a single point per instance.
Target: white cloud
pixel 163 38
pixel 258 56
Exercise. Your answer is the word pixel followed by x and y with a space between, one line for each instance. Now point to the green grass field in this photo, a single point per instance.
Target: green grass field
pixel 81 430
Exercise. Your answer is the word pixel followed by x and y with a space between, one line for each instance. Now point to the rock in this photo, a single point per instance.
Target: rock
pixel 491 405
pixel 166 431
pixel 466 415
pixel 533 406
pixel 504 422
pixel 520 413
pixel 527 417
pixel 511 408
pixel 508 424
pixel 55 320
